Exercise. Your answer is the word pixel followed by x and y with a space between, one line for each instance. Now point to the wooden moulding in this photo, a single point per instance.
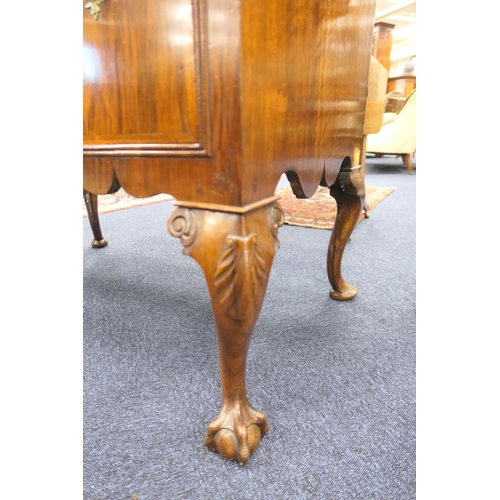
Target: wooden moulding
pixel 214 207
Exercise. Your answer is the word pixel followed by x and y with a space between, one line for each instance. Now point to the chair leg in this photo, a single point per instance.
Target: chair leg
pixel 407 160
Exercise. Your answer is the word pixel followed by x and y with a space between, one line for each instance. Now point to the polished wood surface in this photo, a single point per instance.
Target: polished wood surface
pixel 298 88
pixel 375 98
pixel 382 43
pixel 235 251
pixel 150 96
pixel 211 101
pixel 278 79
pixel 349 193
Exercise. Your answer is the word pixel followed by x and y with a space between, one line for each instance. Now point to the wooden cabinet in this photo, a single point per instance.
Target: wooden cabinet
pixel 382 43
pixel 212 101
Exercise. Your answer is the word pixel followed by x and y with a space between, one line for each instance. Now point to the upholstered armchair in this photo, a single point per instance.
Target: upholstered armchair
pixel 398 134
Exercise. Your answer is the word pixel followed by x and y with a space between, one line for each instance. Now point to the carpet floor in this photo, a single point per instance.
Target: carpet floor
pixel 320 210
pixel 335 379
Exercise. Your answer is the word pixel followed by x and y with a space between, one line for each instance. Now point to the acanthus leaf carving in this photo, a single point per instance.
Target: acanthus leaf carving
pixel 240 272
pixel 276 219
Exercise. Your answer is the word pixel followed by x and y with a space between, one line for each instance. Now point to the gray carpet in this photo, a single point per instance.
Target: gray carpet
pixel 335 379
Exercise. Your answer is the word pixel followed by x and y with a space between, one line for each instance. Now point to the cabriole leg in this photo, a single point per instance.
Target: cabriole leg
pixel 93 214
pixel 349 193
pixel 235 251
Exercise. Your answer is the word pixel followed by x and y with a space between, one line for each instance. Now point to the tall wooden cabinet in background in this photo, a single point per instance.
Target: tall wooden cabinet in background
pixel 382 43
pixel 212 101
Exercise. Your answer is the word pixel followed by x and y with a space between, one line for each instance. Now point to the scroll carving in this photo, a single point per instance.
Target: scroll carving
pixel 240 272
pixel 182 224
pixel 351 181
pixel 276 219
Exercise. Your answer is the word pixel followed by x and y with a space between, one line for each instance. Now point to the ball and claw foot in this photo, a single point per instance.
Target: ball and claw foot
pixel 236 432
pixel 99 243
pixel 346 292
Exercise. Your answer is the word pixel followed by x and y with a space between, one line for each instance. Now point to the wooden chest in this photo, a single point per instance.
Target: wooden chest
pixel 212 101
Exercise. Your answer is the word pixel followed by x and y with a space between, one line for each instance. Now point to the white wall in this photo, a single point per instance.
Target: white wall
pixel 398 67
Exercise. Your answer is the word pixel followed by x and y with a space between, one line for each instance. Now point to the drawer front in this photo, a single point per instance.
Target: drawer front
pixel 145 88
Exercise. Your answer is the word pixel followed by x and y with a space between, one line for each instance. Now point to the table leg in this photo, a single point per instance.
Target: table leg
pixel 235 252
pixel 349 193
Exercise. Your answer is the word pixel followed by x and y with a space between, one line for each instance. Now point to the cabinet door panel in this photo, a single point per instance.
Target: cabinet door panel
pixel 144 90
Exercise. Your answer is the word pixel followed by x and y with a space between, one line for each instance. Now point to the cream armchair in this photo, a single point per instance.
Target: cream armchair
pixel 398 134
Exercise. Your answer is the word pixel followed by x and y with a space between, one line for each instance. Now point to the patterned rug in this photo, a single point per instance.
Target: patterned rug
pixel 320 210
pixel 121 200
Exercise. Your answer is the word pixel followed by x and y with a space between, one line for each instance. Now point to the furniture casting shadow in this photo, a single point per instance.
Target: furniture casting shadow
pixel 211 101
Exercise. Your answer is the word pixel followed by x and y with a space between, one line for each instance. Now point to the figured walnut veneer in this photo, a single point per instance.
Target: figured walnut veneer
pixel 211 101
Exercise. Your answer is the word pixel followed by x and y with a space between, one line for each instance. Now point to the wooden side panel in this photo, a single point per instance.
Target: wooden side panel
pixel 212 100
pixel 304 82
pixel 145 85
pixel 375 100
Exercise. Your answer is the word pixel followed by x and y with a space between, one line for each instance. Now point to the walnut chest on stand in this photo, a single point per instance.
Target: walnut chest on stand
pixel 211 101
